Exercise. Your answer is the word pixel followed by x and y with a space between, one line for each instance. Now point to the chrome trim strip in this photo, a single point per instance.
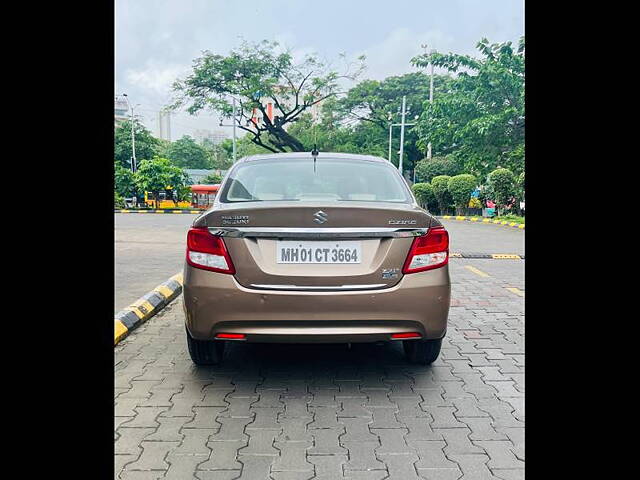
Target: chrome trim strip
pixel 340 232
pixel 323 288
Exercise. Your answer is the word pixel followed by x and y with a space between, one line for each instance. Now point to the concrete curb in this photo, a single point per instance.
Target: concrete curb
pixel 147 306
pixel 484 220
pixel 158 211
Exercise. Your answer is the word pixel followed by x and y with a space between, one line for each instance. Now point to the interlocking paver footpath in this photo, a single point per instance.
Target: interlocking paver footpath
pixel 294 412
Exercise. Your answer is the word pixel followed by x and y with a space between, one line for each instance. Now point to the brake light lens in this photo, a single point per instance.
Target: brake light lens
pixel 231 336
pixel 207 251
pixel 428 251
pixel 406 335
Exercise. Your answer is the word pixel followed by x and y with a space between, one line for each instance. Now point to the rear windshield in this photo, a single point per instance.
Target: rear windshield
pixel 333 179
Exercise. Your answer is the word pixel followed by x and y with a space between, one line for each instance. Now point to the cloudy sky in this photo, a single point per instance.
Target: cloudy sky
pixel 156 40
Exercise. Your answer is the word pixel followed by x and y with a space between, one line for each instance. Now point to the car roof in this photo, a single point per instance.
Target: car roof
pixel 321 155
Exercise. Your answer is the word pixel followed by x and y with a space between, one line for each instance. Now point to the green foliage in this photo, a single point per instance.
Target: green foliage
pixel 218 155
pixel 123 180
pixel 147 146
pixel 427 169
pixel 481 116
pixel 440 185
pixel 503 188
pixel 159 174
pixel 211 179
pixel 118 200
pixel 373 103
pixel 460 188
pixel 254 74
pixel 424 195
pixel 186 153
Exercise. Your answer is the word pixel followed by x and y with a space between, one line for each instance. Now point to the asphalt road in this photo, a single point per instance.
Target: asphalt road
pixel 150 248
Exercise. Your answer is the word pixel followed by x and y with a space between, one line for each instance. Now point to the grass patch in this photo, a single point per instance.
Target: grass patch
pixel 510 218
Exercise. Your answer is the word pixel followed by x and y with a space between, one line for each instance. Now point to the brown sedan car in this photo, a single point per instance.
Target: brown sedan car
pixel 328 248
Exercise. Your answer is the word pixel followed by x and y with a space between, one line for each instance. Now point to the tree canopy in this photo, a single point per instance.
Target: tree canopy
pixel 147 146
pixel 480 117
pixel 186 153
pixel 255 72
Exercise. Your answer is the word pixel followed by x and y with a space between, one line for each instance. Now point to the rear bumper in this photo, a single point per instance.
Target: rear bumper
pixel 216 303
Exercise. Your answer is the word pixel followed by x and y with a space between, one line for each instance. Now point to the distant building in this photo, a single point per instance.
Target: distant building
pixel 120 110
pixel 216 137
pixel 164 125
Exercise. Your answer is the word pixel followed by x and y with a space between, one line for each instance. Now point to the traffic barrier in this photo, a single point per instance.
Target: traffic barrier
pixel 126 210
pixel 131 317
pixel 484 220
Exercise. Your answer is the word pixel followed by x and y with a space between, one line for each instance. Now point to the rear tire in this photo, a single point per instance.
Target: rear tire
pixel 424 352
pixel 205 352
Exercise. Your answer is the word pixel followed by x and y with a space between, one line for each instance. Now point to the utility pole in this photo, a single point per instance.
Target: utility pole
pixel 390 129
pixel 404 111
pixel 391 125
pixel 424 45
pixel 430 99
pixel 133 137
pixel 234 127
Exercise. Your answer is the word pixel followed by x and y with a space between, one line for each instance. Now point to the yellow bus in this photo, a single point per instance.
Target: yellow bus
pixel 164 200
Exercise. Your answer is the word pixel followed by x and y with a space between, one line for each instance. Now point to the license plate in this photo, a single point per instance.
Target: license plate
pixel 290 251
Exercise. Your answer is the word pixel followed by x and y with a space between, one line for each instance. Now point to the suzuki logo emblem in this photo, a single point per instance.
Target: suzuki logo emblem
pixel 319 217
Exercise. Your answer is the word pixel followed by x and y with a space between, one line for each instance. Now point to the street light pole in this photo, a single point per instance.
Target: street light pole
pixel 430 99
pixel 404 111
pixel 234 129
pixel 232 125
pixel 133 136
pixel 390 129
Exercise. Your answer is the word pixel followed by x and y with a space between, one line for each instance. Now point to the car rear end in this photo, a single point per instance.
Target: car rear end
pixel 326 250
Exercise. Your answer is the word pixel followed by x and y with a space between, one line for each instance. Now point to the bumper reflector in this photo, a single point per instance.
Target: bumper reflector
pixel 406 335
pixel 231 336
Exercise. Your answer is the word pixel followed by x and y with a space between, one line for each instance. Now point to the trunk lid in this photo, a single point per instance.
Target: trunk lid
pixel 252 232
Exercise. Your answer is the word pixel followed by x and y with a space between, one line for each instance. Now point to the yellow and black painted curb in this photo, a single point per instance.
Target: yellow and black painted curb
pixel 147 306
pixel 165 210
pixel 495 256
pixel 482 220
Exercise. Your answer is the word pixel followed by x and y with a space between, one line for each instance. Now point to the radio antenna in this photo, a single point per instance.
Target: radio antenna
pixel 314 154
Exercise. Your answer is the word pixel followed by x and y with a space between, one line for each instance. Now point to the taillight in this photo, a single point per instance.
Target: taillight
pixel 428 252
pixel 207 251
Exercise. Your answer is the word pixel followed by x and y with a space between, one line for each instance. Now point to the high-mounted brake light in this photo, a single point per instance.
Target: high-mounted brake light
pixel 208 252
pixel 428 252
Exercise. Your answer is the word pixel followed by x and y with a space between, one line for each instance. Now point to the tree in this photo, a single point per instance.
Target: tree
pixel 123 180
pixel 186 153
pixel 118 201
pixel 426 170
pixel 425 196
pixel 502 186
pixel 372 103
pixel 147 146
pixel 244 148
pixel 158 175
pixel 460 188
pixel 218 155
pixel 211 179
pixel 481 117
pixel 256 72
pixel 440 185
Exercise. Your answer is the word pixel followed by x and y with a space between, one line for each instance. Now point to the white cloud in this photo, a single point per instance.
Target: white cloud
pixel 392 56
pixel 155 78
